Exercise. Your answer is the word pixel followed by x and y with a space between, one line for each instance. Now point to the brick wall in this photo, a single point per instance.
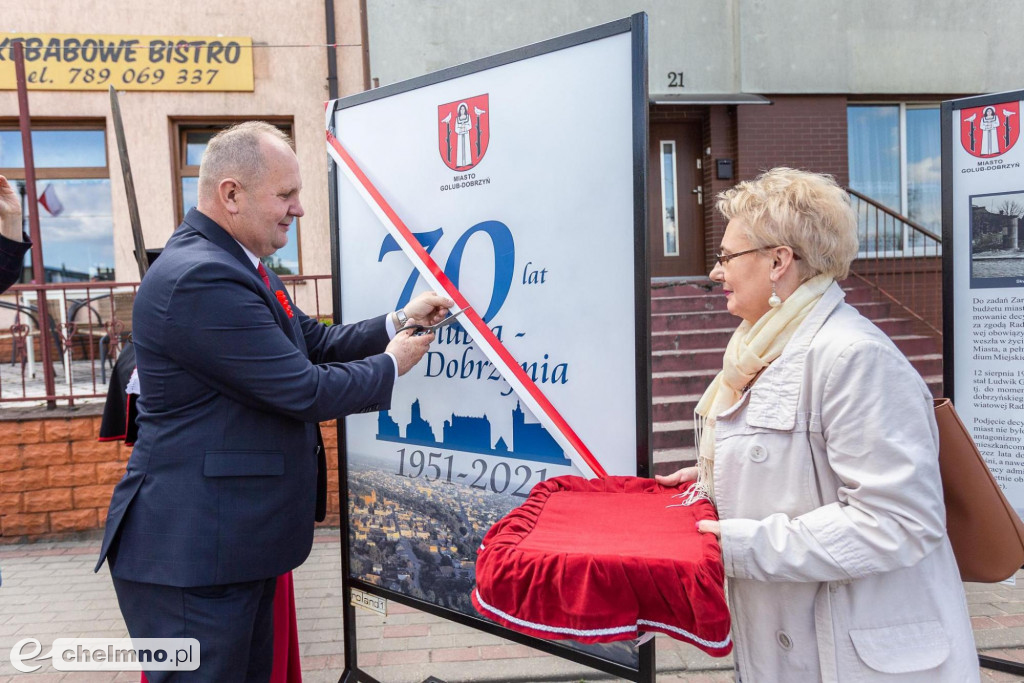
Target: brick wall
pixel 56 478
pixel 330 432
pixel 721 127
pixel 917 282
pixel 806 132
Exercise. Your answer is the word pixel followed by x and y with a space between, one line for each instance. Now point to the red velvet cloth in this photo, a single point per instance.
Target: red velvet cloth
pixel 287 666
pixel 600 560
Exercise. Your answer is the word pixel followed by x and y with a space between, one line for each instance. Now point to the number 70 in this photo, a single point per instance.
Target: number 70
pixel 504 260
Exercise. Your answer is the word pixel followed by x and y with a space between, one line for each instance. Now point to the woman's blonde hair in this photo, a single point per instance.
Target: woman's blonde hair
pixel 806 211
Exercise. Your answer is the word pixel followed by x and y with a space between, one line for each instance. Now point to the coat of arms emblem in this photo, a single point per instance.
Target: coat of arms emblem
pixel 464 129
pixel 990 130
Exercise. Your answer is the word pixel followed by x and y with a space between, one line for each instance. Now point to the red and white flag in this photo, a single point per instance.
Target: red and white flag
pixel 50 201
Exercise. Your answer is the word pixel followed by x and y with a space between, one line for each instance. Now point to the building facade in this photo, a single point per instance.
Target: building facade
pixel 738 86
pixel 173 98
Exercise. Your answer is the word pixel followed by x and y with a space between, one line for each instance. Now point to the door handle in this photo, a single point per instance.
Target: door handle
pixel 699 191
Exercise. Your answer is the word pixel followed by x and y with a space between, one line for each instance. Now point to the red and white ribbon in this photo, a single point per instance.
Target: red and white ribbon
pixel 511 371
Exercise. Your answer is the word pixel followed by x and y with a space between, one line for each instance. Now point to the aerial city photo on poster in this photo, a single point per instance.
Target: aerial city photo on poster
pixel 418 536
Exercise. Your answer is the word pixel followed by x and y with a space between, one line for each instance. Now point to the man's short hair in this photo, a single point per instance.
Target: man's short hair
pixel 236 152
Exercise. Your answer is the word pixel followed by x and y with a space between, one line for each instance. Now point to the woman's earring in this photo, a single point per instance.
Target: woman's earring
pixel 774 301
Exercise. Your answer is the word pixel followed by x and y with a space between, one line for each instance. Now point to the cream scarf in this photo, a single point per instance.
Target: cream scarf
pixel 751 349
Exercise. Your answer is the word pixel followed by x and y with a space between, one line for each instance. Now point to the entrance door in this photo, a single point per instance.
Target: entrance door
pixel 676 230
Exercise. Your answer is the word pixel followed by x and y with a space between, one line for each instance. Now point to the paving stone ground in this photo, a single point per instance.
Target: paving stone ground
pixel 49 591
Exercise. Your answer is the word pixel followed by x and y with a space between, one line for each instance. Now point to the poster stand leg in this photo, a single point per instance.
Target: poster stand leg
pixel 1004 665
pixel 356 676
pixel 647 668
pixel 351 674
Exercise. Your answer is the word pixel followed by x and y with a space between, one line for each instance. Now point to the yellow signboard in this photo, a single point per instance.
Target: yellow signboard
pixel 95 62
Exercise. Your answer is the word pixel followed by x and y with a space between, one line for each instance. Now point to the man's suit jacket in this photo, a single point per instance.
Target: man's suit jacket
pixel 221 485
pixel 12 255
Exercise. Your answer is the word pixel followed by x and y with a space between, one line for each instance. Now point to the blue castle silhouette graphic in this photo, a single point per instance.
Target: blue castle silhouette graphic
pixel 473 434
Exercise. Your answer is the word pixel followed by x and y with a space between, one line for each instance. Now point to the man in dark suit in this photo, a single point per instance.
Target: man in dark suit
pixel 221 489
pixel 13 242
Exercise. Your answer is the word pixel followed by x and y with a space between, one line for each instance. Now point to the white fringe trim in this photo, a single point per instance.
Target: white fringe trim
pixel 689 497
pixel 703 488
pixel 614 630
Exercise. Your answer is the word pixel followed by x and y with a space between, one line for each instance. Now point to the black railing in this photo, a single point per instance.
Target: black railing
pixel 88 324
pixel 901 260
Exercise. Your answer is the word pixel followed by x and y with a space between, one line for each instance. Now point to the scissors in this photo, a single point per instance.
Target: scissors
pixel 420 330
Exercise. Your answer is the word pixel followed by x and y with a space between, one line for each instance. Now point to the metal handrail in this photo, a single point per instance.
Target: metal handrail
pixel 908 278
pixel 85 377
pixel 909 222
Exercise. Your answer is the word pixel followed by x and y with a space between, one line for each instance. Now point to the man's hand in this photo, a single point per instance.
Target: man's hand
pixel 10 211
pixel 428 308
pixel 678 477
pixel 408 349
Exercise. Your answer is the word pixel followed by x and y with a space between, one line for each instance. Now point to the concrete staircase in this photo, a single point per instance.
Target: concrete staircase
pixel 690 328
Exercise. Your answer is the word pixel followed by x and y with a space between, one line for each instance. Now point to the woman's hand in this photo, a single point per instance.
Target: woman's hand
pixel 678 477
pixel 704 526
pixel 710 526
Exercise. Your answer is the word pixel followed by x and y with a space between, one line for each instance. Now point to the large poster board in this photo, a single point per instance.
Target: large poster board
pixel 516 185
pixel 983 273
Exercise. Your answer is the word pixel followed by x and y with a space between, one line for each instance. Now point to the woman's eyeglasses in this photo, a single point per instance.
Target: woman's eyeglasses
pixel 723 258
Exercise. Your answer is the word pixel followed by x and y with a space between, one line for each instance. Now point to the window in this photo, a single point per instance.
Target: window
pixel 190 143
pixel 670 228
pixel 895 159
pixel 73 184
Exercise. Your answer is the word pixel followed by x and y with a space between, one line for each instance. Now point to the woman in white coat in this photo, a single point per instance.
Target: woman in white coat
pixel 818 445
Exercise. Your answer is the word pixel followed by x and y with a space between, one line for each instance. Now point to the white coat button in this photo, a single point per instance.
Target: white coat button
pixel 758 454
pixel 785 642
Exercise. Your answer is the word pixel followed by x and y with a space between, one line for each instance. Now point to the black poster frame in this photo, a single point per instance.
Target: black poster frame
pixel 637 26
pixel 948 110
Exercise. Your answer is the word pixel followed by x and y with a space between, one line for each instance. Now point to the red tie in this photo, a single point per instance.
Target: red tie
pixel 263 274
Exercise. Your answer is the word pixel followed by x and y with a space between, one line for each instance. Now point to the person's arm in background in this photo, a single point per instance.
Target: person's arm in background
pixel 13 243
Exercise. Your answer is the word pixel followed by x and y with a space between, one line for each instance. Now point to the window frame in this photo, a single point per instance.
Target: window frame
pixel 63 172
pixel 908 248
pixel 44 173
pixel 182 126
pixel 662 145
